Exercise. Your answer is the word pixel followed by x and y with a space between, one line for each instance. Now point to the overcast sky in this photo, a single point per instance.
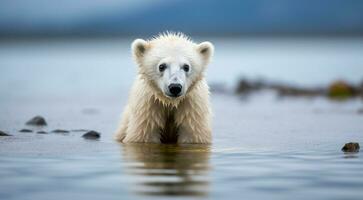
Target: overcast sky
pixel 63 10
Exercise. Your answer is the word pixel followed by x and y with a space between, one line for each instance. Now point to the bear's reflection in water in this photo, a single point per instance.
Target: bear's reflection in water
pixel 168 170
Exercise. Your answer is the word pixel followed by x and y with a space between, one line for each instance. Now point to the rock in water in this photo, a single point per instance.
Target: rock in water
pixel 351 147
pixel 2 133
pixel 37 121
pixel 91 135
pixel 79 130
pixel 59 131
pixel 25 130
pixel 42 132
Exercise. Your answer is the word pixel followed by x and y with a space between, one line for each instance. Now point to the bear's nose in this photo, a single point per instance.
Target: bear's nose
pixel 175 89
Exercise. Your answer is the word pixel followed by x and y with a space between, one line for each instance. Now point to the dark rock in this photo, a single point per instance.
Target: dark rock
pixel 25 130
pixel 41 132
pixel 79 130
pixel 2 133
pixel 91 135
pixel 337 90
pixel 351 147
pixel 59 131
pixel 246 86
pixel 37 121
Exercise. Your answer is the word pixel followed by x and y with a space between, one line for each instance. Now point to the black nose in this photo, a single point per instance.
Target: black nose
pixel 175 89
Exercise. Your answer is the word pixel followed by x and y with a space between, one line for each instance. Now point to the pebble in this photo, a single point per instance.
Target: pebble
pixel 60 131
pixel 79 130
pixel 25 130
pixel 91 135
pixel 37 121
pixel 351 147
pixel 2 133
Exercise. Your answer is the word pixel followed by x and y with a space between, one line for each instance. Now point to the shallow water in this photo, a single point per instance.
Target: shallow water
pixel 264 147
pixel 57 68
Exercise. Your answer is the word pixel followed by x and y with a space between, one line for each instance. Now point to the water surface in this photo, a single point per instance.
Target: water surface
pixel 264 147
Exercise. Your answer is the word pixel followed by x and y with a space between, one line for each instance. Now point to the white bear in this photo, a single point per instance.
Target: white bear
pixel 169 101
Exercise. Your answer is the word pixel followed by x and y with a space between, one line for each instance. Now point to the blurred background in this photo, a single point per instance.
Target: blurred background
pixel 287 88
pixel 81 47
pixel 206 17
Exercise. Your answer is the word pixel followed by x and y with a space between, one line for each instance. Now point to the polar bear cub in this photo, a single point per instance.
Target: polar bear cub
pixel 169 100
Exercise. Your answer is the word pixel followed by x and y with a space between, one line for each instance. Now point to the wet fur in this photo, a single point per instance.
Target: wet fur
pixel 169 134
pixel 150 116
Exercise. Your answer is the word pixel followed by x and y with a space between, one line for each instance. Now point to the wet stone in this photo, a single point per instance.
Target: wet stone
pixel 2 133
pixel 25 130
pixel 79 130
pixel 37 121
pixel 351 147
pixel 91 135
pixel 60 131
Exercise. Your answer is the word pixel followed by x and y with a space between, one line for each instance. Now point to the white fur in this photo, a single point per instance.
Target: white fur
pixel 145 116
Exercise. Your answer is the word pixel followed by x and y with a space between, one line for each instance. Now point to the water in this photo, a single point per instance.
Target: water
pixel 80 67
pixel 263 148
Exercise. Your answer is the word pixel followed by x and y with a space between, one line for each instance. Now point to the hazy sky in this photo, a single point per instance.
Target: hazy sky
pixel 191 16
pixel 54 10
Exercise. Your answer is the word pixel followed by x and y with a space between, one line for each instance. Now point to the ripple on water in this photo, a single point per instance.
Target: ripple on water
pixel 168 170
pixel 150 170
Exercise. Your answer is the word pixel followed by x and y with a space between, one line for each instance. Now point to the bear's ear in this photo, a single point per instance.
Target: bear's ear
pixel 139 47
pixel 206 49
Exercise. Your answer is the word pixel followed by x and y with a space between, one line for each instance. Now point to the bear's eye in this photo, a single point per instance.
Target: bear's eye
pixel 186 68
pixel 162 67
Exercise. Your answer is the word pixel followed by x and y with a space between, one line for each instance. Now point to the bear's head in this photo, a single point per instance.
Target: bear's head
pixel 172 63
